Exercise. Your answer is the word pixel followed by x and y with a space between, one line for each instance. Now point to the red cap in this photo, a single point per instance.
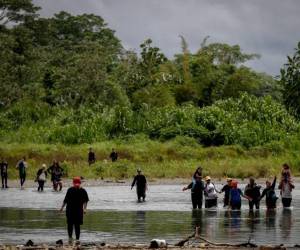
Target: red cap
pixel 76 181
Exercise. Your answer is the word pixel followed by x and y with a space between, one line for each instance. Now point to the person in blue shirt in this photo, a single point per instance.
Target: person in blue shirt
pixel 235 195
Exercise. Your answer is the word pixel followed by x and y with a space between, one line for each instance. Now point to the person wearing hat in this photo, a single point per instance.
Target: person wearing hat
pixel 211 197
pixel 41 176
pixel 226 189
pixel 141 185
pixel 76 200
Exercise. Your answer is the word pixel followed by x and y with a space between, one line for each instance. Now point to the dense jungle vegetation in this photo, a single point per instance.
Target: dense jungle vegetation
pixel 68 80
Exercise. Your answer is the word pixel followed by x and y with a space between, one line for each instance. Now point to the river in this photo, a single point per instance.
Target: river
pixel 114 216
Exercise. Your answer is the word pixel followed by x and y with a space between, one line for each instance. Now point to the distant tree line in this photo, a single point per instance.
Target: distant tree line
pixel 67 64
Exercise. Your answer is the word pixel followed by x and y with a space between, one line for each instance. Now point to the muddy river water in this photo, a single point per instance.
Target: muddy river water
pixel 115 216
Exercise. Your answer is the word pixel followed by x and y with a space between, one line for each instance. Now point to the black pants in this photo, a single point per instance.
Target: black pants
pixel 252 203
pixel 286 202
pixel 77 230
pixel 22 179
pixel 4 180
pixel 226 202
pixel 41 185
pixel 141 193
pixel 210 203
pixel 197 200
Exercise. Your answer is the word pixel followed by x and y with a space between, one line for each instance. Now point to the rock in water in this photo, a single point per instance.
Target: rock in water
pixel 29 243
pixel 59 242
pixel 157 243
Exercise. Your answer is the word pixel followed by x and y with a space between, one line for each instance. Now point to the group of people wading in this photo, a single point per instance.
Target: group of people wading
pixel 56 172
pixel 233 194
pixel 76 198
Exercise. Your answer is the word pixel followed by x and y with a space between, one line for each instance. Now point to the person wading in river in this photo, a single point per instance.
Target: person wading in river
pixel 252 190
pixel 141 185
pixel 226 189
pixel 197 187
pixel 270 194
pixel 22 165
pixel 235 195
pixel 286 187
pixel 41 176
pixel 211 197
pixel 56 174
pixel 76 200
pixel 4 171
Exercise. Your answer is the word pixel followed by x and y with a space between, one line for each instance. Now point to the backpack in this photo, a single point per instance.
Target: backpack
pixel 235 196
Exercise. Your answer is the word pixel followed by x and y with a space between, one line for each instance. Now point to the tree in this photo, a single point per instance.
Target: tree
pixel 16 11
pixel 290 80
pixel 151 59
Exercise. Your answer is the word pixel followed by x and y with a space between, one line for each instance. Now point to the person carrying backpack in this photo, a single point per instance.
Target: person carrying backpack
pixel 41 176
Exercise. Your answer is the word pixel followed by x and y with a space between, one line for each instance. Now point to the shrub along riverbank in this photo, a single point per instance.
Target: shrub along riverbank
pixel 176 158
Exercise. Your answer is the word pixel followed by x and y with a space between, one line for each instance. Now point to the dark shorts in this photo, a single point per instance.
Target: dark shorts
pixel 211 203
pixel 235 206
pixel 286 202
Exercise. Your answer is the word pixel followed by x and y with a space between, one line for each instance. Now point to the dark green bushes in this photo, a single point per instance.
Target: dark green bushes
pixel 248 121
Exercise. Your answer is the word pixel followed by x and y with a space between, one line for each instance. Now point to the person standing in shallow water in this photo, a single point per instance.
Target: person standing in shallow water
pixel 76 200
pixel 252 190
pixel 286 187
pixel 226 189
pixel 41 177
pixel 197 187
pixel 270 194
pixel 91 157
pixel 4 173
pixel 235 195
pixel 211 197
pixel 56 175
pixel 141 185
pixel 21 166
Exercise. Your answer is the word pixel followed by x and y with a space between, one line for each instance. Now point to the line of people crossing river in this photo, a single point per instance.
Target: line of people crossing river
pixel 202 189
pixel 233 194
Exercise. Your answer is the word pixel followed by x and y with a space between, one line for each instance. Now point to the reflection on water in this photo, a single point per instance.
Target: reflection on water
pixel 141 226
pixel 166 215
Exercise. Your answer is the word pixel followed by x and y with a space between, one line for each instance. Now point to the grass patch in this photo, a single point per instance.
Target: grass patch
pixel 171 159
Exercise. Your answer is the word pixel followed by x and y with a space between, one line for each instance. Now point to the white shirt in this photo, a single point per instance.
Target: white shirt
pixel 285 190
pixel 210 191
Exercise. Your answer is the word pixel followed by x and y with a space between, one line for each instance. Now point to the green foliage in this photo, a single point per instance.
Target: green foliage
pixel 67 79
pixel 16 10
pixel 290 79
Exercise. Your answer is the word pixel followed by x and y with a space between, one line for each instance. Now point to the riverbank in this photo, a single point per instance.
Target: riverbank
pixel 140 246
pixel 158 160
